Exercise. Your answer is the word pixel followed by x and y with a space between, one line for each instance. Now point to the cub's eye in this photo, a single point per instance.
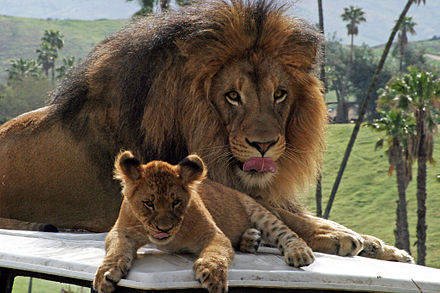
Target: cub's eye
pixel 233 98
pixel 149 204
pixel 279 96
pixel 176 202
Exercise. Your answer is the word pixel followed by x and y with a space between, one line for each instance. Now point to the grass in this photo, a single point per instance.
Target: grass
pixel 20 37
pixel 21 285
pixel 366 200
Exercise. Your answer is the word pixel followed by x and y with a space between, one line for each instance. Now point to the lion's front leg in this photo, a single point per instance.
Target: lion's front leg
pixel 323 235
pixel 329 237
pixel 121 247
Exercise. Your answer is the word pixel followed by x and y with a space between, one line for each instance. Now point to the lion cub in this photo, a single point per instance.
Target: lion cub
pixel 169 206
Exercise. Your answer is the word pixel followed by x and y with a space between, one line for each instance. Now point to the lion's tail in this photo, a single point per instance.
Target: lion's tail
pixel 13 224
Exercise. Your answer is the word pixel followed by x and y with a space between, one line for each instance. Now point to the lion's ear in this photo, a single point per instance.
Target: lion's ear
pixel 127 167
pixel 192 169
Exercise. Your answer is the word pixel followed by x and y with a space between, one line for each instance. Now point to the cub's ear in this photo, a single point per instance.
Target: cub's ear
pixel 192 169
pixel 127 167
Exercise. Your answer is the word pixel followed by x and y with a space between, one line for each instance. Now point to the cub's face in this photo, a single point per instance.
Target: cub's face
pixel 159 193
pixel 160 201
pixel 254 103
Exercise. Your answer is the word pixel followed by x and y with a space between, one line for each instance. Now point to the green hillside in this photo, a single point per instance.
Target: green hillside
pixel 430 46
pixel 366 200
pixel 20 37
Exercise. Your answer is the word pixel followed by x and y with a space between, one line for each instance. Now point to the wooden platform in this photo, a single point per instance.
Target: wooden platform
pixel 74 258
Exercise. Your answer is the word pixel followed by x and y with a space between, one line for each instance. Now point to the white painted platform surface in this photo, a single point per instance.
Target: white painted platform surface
pixel 78 256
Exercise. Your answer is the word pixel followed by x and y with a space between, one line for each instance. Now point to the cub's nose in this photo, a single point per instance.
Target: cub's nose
pixel 164 227
pixel 262 147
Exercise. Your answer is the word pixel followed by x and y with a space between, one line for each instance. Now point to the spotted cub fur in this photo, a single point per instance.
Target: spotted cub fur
pixel 171 207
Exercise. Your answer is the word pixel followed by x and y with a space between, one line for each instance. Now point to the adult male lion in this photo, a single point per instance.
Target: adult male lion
pixel 231 81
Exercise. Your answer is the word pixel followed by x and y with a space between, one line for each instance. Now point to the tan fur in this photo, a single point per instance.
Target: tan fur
pixel 162 198
pixel 159 87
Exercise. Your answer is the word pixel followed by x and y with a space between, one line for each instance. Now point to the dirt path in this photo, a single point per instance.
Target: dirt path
pixel 431 56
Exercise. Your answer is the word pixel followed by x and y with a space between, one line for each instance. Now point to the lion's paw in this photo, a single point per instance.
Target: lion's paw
pixel 298 254
pixel 250 240
pixel 212 274
pixel 339 242
pixel 401 255
pixel 348 244
pixel 376 248
pixel 108 275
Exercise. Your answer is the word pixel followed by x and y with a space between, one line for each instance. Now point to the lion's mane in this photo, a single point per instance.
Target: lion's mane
pixel 146 88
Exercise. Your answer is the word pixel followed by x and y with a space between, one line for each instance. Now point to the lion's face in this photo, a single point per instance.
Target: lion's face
pixel 159 193
pixel 254 103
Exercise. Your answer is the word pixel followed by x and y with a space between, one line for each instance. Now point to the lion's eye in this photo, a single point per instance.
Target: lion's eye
pixel 233 98
pixel 149 204
pixel 176 202
pixel 279 96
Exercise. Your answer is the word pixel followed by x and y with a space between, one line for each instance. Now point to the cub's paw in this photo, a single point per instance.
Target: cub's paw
pixel 212 274
pixel 376 248
pixel 250 240
pixel 108 275
pixel 298 254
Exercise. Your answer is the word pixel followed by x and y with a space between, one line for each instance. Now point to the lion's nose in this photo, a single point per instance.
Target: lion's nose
pixel 262 147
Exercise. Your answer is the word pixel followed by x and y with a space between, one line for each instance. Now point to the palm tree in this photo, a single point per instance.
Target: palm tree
pixel 354 16
pixel 418 92
pixel 54 38
pixel 21 68
pixel 363 107
pixel 399 130
pixel 147 6
pixel 67 63
pixel 407 26
pixel 46 57
pixel 52 41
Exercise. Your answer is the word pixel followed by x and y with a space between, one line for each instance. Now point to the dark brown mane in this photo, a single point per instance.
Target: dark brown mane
pixel 144 86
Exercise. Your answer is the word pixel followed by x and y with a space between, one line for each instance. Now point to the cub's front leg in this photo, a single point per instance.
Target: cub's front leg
pixel 121 245
pixel 211 268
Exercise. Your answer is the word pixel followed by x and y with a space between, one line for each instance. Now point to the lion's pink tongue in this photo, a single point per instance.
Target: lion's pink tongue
pixel 260 165
pixel 161 235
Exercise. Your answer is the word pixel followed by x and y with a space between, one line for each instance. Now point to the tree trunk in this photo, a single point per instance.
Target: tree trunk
pixel 401 233
pixel 53 73
pixel 421 188
pixel 318 194
pixel 402 44
pixel 363 109
pixel 164 5
pixel 30 285
pixel 342 110
pixel 401 61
